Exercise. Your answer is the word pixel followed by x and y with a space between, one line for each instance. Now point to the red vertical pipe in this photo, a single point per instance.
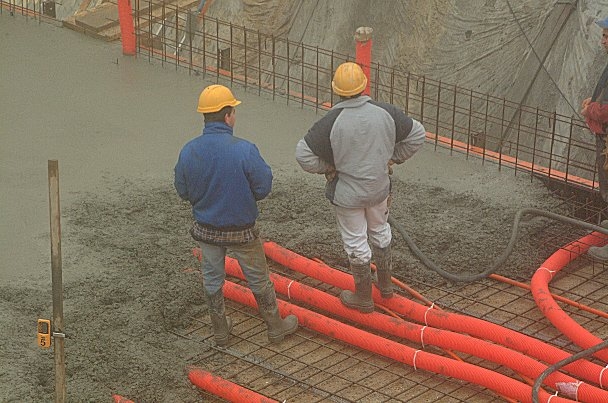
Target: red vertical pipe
pixel 363 52
pixel 224 388
pixel 127 31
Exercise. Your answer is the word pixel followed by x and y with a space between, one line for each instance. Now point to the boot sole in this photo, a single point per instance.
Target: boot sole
pixel 364 309
pixel 222 341
pixel 279 338
pixel 360 308
pixel 597 258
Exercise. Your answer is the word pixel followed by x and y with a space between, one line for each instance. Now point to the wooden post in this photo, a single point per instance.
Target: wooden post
pixel 58 335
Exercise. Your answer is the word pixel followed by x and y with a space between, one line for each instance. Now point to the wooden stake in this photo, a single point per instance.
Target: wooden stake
pixel 58 335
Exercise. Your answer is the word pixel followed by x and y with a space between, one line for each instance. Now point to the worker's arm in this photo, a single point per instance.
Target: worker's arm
pixel 314 152
pixel 258 173
pixel 596 116
pixel 597 112
pixel 409 133
pixel 180 179
pixel 408 146
pixel 309 161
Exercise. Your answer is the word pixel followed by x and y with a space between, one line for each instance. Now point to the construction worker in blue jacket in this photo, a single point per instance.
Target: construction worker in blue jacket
pixel 354 145
pixel 223 177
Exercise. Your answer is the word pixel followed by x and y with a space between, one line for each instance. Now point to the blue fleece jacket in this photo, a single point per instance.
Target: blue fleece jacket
pixel 222 176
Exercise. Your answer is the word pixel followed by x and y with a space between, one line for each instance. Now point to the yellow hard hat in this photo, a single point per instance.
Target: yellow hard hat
pixel 349 80
pixel 214 98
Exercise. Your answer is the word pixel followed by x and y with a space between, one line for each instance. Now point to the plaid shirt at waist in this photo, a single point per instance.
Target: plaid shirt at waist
pixel 222 237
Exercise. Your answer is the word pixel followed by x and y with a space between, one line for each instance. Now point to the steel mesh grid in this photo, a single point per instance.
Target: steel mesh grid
pixel 315 368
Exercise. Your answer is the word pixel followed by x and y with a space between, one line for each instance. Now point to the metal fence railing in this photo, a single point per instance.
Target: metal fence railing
pixel 539 142
pixel 495 129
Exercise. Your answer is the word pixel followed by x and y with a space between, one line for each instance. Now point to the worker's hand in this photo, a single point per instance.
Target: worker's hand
pixel 330 175
pixel 390 166
pixel 585 103
pixel 584 106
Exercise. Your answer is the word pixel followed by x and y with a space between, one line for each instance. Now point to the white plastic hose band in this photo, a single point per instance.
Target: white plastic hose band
pixel 602 375
pixel 289 289
pixel 415 353
pixel 422 335
pixel 576 393
pixel 551 397
pixel 427 311
pixel 551 272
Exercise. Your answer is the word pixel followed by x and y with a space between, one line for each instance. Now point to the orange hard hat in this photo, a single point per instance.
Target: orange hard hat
pixel 349 80
pixel 214 98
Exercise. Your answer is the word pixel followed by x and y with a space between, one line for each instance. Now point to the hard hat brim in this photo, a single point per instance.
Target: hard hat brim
pixel 350 93
pixel 219 107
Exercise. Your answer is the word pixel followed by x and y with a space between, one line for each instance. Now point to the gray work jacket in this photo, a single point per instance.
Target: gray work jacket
pixel 357 138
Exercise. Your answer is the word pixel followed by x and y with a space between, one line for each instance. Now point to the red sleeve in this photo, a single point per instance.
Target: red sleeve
pixel 598 112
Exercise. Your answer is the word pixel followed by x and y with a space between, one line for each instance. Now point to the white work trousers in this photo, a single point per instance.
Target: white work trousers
pixel 356 224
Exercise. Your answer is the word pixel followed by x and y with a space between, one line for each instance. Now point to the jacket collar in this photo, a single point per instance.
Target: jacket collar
pixel 217 127
pixel 352 102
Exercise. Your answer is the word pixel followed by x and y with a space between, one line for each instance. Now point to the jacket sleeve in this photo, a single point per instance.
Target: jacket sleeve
pixel 180 178
pixel 408 146
pixel 597 113
pixel 318 142
pixel 309 161
pixel 258 174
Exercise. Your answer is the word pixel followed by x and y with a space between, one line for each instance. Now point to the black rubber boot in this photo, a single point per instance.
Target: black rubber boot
pixel 361 299
pixel 384 267
pixel 269 310
pixel 222 325
pixel 599 253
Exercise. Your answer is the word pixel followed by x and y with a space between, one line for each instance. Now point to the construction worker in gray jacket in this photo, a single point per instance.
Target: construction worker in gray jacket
pixel 354 145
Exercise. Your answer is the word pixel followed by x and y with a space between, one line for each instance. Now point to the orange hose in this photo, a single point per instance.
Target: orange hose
pixel 565 300
pixel 419 359
pixel 412 292
pixel 224 388
pixel 394 315
pixel 452 321
pixel 552 311
pixel 419 334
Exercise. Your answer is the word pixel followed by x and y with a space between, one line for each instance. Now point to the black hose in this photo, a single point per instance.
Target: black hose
pixel 585 353
pixel 502 258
